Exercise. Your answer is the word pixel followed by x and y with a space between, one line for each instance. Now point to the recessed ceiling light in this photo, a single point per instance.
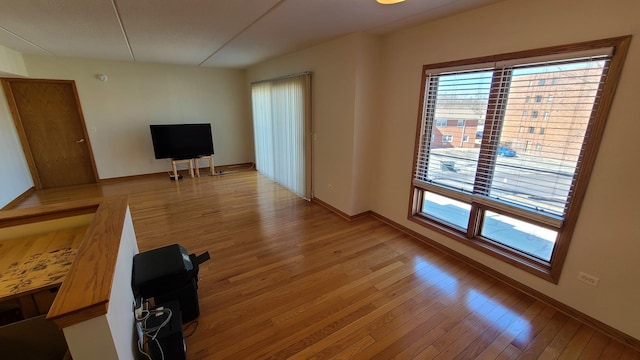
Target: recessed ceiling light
pixel 389 2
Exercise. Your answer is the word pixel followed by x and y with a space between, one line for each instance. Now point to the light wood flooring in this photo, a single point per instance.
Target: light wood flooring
pixel 290 279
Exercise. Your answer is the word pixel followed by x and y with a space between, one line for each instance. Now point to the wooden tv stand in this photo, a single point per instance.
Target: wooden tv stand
pixel 192 163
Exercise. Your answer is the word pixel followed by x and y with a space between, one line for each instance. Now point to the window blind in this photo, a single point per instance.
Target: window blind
pixel 530 121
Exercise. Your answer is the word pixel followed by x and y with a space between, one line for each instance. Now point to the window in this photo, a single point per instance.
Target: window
pixel 546 116
pixel 441 123
pixel 538 98
pixel 534 114
pixel 524 114
pixel 460 123
pixel 526 99
pixel 447 138
pixel 465 138
pixel 550 98
pixel 504 199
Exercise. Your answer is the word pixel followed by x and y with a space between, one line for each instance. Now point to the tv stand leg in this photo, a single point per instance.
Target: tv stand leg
pixel 210 159
pixel 175 169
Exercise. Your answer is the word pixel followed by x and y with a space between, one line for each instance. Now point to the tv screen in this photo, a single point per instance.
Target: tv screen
pixel 181 141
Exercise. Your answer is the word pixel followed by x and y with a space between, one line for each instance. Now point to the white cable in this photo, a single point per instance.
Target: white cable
pixel 160 347
pixel 142 351
pixel 153 332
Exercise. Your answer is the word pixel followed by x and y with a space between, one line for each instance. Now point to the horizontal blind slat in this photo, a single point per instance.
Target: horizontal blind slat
pixel 535 145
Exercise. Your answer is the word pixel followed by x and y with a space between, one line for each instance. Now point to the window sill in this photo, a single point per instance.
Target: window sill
pixel 521 261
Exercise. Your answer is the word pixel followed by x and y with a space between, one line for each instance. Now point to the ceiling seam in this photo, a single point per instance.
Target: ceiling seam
pixel 242 31
pixel 27 41
pixel 124 32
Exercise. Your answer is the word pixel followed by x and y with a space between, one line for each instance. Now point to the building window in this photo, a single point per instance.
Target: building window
pixel 460 123
pixel 520 212
pixel 447 138
pixel 534 114
pixel 546 116
pixel 465 138
pixel 538 98
pixel 532 130
pixel 526 99
pixel 550 98
pixel 524 114
pixel 541 82
pixel 441 123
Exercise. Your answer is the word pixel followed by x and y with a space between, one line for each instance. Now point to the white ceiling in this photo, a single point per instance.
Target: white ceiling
pixel 222 33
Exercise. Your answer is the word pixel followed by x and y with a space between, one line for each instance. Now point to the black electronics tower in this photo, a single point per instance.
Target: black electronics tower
pixel 167 274
pixel 169 340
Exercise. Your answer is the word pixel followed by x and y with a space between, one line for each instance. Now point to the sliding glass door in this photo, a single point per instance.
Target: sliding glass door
pixel 282 131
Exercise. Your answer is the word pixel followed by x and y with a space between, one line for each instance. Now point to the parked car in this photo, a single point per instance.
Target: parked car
pixel 506 151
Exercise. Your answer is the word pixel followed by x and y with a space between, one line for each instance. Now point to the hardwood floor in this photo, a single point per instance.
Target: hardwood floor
pixel 290 279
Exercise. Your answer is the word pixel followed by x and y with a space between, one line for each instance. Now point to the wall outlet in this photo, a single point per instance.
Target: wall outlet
pixel 588 279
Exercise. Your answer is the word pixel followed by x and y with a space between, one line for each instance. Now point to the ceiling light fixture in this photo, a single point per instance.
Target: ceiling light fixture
pixel 389 2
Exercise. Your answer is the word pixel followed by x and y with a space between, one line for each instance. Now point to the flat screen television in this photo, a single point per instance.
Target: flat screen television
pixel 181 141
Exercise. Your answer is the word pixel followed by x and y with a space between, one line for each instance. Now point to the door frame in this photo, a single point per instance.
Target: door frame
pixel 17 120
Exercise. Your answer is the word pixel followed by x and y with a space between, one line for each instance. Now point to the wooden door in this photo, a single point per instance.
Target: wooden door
pixel 51 127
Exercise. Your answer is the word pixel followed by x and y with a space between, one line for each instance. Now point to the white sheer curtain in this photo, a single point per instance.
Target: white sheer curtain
pixel 282 131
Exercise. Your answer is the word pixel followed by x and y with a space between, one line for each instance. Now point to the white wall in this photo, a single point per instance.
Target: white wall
pixel 15 178
pixel 118 111
pixel 367 92
pixel 11 63
pixel 606 241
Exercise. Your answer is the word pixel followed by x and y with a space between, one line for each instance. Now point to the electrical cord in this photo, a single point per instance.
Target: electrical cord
pixel 195 322
pixel 151 333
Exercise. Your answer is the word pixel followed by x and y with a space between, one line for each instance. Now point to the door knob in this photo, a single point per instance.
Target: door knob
pixel 79 141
